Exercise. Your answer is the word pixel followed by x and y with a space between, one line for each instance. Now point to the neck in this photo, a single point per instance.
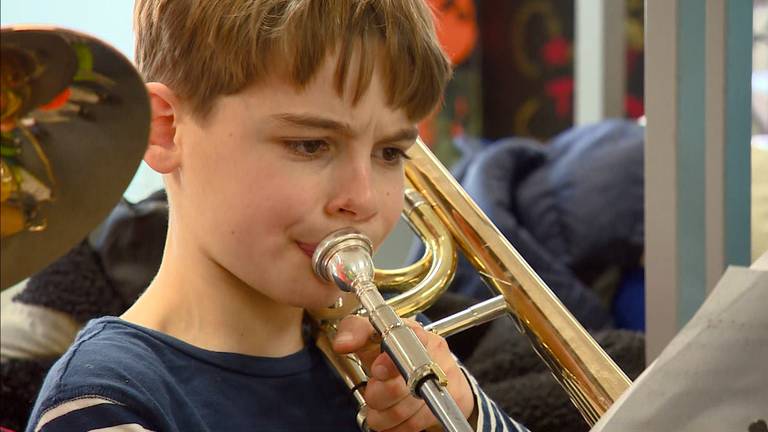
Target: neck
pixel 196 300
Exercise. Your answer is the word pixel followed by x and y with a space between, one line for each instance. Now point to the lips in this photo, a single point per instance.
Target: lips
pixel 307 248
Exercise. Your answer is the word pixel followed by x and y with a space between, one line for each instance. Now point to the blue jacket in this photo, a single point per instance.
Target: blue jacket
pixel 572 208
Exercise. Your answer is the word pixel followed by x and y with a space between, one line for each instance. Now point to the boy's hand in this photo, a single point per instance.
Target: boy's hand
pixel 390 405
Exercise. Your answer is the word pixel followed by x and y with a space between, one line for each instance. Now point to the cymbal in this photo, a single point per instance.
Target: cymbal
pixel 94 150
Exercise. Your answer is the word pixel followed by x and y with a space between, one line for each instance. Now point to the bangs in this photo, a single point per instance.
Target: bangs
pixel 230 48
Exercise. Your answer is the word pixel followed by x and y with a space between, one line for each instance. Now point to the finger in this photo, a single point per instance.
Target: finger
pixel 419 420
pixel 441 354
pixel 430 340
pixel 424 336
pixel 436 346
pixel 381 395
pixel 383 368
pixel 394 415
pixel 352 334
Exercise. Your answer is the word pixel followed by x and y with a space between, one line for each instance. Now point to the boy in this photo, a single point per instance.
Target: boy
pixel 274 122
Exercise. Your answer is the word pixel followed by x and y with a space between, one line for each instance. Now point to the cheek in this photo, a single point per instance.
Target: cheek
pixel 271 200
pixel 392 201
pixel 245 198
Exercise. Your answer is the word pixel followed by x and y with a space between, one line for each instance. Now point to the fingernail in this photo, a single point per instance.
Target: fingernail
pixel 380 372
pixel 342 338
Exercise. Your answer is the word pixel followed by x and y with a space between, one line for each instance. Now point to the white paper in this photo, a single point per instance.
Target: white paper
pixel 713 376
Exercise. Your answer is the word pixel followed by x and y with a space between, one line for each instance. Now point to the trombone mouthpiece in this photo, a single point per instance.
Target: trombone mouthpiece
pixel 344 257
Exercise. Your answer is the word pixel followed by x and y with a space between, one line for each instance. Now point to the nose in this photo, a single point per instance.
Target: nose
pixel 353 194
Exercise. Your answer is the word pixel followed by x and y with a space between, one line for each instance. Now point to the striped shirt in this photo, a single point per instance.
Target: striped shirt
pixel 118 376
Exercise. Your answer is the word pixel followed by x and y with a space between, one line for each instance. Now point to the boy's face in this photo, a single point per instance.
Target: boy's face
pixel 273 170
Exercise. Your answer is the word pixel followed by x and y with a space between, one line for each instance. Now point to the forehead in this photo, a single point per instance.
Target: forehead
pixel 277 94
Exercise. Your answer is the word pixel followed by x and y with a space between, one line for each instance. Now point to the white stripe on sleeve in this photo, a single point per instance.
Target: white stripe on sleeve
pixel 68 407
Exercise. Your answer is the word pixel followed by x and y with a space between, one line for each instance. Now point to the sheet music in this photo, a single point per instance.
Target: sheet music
pixel 713 376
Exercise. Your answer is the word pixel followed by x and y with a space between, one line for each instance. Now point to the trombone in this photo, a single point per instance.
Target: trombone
pixel 446 219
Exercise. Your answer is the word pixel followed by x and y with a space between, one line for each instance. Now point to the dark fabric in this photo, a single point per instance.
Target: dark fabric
pixel 99 417
pixel 468 148
pixel 162 383
pixel 21 380
pixel 511 373
pixel 174 386
pixel 585 203
pixel 76 285
pixel 130 243
pixel 105 274
pixel 629 301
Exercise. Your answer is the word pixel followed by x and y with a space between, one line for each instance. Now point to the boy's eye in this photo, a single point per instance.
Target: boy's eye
pixel 308 147
pixel 393 154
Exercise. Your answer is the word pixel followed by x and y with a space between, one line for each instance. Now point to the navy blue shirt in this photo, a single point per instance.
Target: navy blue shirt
pixel 120 374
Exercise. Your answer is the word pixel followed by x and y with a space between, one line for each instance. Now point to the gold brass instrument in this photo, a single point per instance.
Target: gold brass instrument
pixel 443 215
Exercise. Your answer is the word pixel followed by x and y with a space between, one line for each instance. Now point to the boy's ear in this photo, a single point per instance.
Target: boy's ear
pixel 163 152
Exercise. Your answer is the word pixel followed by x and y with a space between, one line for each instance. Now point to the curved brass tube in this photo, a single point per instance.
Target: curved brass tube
pixel 440 251
pixel 592 380
pixel 424 222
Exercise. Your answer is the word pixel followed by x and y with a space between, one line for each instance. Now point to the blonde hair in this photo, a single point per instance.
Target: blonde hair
pixel 202 49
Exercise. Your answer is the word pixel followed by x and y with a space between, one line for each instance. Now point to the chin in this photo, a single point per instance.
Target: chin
pixel 318 295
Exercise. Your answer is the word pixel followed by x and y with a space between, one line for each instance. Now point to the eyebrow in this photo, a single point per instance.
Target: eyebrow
pixel 408 134
pixel 316 122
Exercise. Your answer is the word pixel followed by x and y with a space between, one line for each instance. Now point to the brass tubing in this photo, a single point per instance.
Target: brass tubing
pixel 591 378
pixel 437 239
pixel 399 280
pixel 403 279
pixel 351 371
pixel 473 316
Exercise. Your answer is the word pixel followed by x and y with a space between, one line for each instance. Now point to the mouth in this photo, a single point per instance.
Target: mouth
pixel 307 248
